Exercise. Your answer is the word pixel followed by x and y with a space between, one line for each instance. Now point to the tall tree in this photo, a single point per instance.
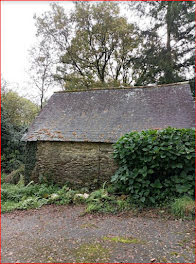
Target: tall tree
pixel 95 43
pixel 168 57
pixel 41 69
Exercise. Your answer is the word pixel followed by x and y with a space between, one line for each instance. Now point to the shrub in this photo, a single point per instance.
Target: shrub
pixel 155 165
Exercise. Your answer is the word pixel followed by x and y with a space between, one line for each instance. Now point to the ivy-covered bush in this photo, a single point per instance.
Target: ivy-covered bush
pixel 155 165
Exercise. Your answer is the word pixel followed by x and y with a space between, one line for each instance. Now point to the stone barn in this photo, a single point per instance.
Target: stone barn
pixel 71 139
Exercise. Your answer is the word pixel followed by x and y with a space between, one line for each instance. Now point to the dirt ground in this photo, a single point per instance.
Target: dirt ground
pixel 61 234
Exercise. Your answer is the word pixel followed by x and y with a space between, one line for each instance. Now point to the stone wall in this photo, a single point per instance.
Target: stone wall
pixel 77 163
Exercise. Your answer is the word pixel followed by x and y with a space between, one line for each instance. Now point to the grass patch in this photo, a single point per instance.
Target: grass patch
pixel 124 240
pixel 102 201
pixel 92 253
pixel 183 207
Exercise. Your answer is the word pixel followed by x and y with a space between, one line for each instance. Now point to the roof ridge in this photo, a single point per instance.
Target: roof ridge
pixel 122 87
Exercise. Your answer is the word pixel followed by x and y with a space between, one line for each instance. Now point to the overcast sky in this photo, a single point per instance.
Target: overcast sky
pixel 17 37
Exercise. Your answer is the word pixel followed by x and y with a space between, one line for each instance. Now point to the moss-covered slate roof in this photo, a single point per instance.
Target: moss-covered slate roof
pixel 105 115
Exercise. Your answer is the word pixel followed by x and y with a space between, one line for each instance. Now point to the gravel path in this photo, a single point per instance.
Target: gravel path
pixel 55 234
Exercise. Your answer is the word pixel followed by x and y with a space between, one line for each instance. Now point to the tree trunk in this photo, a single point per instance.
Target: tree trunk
pixel 169 76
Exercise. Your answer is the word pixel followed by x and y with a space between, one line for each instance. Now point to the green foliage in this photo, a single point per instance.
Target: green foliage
pixel 95 45
pixel 66 195
pixel 167 52
pixel 183 207
pixel 32 202
pixel 113 206
pixel 12 149
pixel 3 177
pixel 94 41
pixel 8 206
pixel 155 165
pixel 103 202
pixel 25 197
pixel 18 193
pixel 19 110
pixel 35 195
pixel 16 114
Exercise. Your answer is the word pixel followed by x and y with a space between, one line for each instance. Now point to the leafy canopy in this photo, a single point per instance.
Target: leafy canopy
pixel 95 43
pixel 167 53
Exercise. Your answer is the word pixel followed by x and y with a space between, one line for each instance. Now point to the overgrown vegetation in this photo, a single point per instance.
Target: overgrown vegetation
pixel 16 115
pixel 155 165
pixel 12 149
pixel 36 195
pixel 20 197
pixel 156 169
pixel 183 207
pixel 16 176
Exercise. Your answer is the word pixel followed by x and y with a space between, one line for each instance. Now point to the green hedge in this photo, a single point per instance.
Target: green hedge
pixel 155 165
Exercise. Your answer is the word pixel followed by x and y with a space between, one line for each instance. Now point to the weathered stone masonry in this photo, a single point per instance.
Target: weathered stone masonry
pixel 77 163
